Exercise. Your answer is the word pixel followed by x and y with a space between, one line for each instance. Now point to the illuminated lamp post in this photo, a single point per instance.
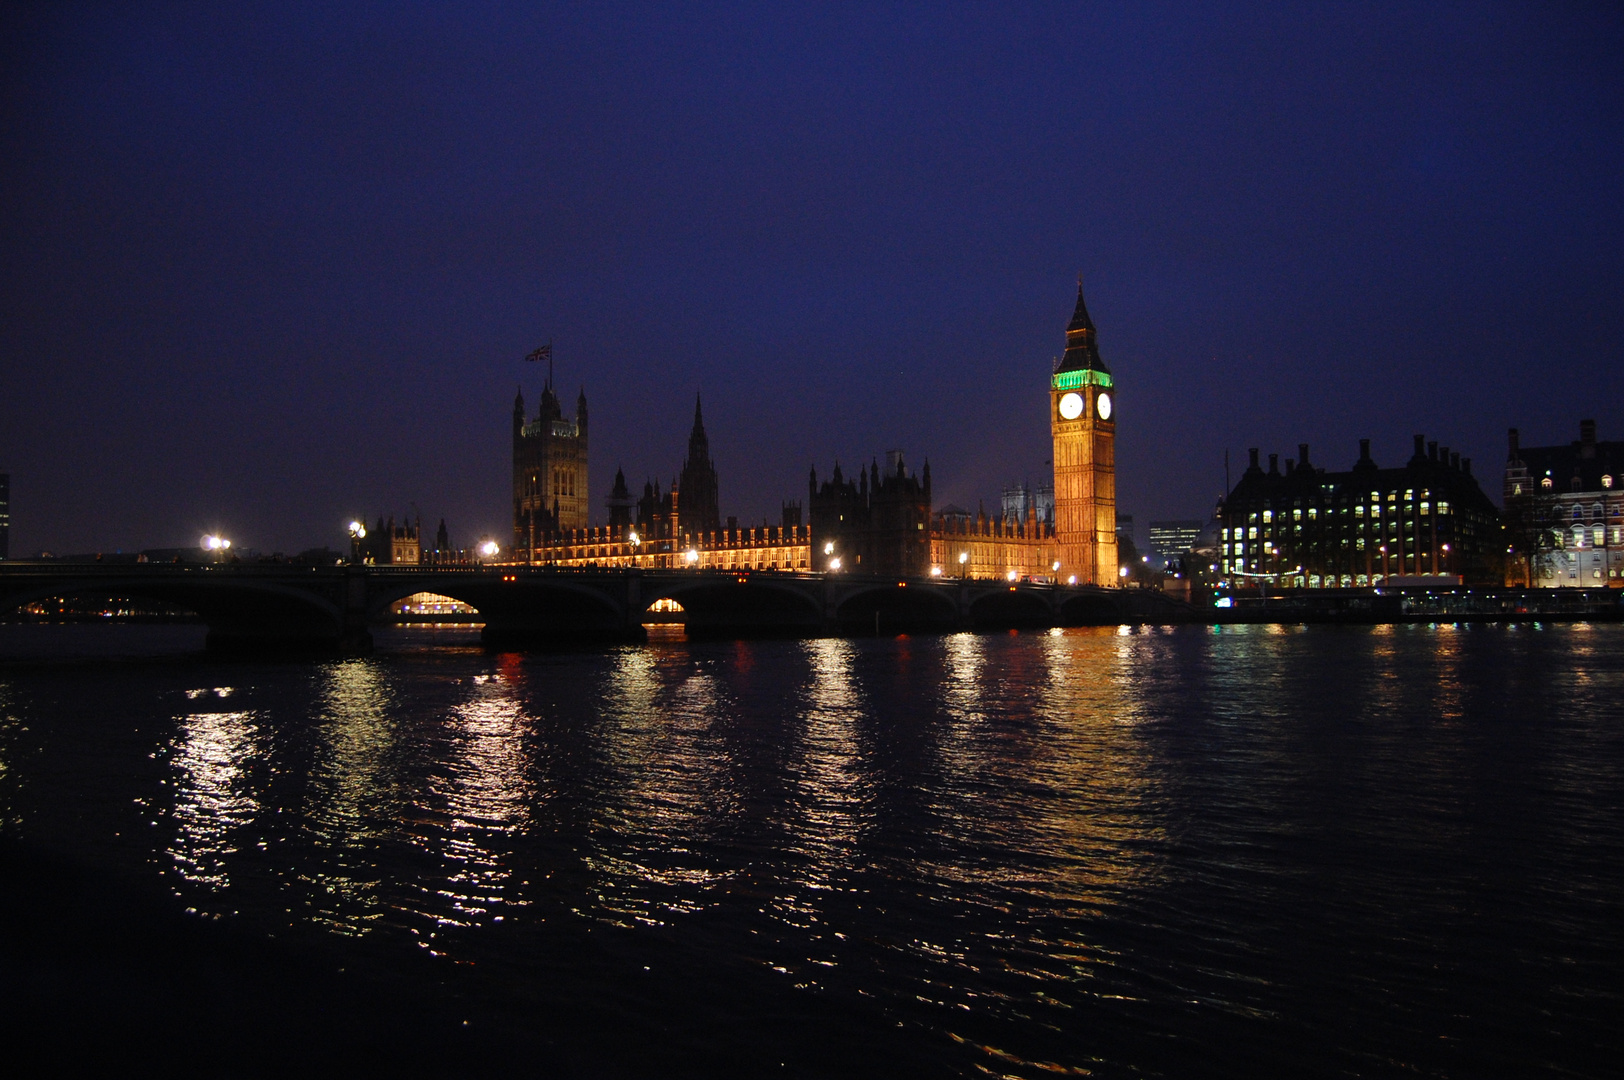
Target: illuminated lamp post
pixel 358 533
pixel 219 545
pixel 692 557
pixel 1123 574
pixel 488 549
pixel 964 565
pixel 1445 570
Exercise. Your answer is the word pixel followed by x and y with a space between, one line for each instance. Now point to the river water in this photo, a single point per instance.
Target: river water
pixel 1372 851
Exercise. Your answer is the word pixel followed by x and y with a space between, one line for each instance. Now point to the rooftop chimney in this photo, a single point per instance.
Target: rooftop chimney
pixel 1432 450
pixel 1253 452
pixel 1466 465
pixel 1274 464
pixel 1587 438
pixel 1511 443
pixel 1302 453
pixel 1454 461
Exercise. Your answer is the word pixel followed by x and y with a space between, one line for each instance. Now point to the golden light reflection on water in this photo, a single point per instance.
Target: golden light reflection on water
pixel 1077 781
pixel 212 797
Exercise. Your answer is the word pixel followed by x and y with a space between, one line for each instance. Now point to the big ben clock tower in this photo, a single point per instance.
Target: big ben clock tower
pixel 1082 416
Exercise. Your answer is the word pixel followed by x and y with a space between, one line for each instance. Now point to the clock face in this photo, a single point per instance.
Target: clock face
pixel 1071 406
pixel 1102 405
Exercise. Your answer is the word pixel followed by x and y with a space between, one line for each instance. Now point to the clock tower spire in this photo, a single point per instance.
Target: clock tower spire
pixel 1082 419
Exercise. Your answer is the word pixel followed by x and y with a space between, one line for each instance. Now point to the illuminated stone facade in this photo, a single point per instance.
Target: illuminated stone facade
pixel 1082 419
pixel 979 547
pixel 549 470
pixel 878 522
pixel 1565 513
pixel 665 546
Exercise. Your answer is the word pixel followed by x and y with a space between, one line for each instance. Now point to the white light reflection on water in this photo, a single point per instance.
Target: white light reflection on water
pixel 11 727
pixel 484 793
pixel 827 768
pixel 664 793
pixel 212 796
pixel 354 799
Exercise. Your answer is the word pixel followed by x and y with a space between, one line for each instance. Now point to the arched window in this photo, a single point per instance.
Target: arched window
pixel 1596 512
pixel 1546 483
pixel 1578 512
pixel 1598 535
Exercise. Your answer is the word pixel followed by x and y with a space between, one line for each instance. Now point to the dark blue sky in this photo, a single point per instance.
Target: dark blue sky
pixel 266 269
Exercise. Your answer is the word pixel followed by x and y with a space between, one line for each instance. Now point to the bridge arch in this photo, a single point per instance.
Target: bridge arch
pixel 1012 608
pixel 894 607
pixel 520 609
pixel 734 604
pixel 1090 609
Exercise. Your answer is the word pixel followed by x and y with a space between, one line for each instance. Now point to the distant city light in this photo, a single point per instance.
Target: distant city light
pixel 829 548
pixel 1056 566
pixel 489 548
pixel 1072 580
pixel 692 556
pixel 1012 575
pixel 633 539
pixel 358 530
pixel 964 556
pixel 1124 571
pixel 216 543
pixel 834 564
pixel 936 571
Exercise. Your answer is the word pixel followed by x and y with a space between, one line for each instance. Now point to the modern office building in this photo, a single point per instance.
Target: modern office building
pixel 1305 527
pixel 1564 514
pixel 1172 539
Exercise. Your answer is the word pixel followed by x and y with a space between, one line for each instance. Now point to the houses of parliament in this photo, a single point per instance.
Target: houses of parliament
pixel 879 521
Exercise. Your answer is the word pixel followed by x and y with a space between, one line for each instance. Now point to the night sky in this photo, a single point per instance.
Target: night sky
pixel 270 268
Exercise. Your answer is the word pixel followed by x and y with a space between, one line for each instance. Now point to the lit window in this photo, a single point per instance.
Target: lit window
pixel 1546 483
pixel 1607 481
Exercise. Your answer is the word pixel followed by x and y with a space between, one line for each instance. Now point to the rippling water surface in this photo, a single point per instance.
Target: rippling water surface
pixel 1248 851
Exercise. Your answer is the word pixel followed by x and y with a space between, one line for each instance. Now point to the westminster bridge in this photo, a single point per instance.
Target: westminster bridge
pixel 254 607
